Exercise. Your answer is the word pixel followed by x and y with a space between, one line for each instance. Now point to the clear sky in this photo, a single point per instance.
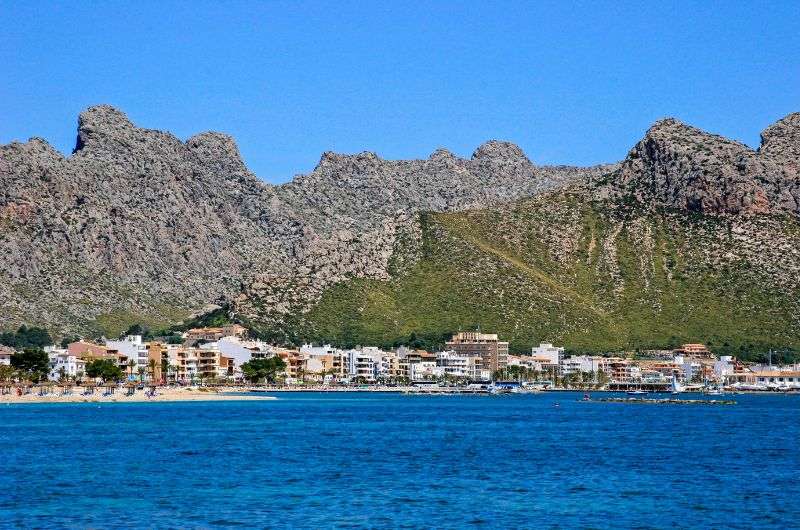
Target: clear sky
pixel 571 83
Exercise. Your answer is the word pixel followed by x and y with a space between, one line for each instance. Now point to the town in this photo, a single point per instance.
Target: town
pixel 226 355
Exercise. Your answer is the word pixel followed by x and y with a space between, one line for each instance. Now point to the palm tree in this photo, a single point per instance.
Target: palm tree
pixel 152 366
pixel 131 366
pixel 141 372
pixel 164 367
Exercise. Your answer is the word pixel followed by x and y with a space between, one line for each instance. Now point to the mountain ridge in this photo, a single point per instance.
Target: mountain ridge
pixel 136 222
pixel 137 225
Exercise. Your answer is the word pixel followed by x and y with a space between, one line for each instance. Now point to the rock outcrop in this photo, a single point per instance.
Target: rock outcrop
pixel 136 223
pixel 683 168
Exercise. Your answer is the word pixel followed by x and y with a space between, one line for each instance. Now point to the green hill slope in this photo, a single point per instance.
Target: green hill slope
pixel 564 269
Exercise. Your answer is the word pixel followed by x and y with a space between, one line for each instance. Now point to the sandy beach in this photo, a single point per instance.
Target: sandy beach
pixel 119 396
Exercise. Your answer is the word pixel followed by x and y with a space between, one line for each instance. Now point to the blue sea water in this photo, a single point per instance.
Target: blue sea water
pixel 376 460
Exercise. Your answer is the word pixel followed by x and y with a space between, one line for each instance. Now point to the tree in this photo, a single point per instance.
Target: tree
pixel 151 364
pixel 66 341
pixel 6 372
pixel 164 367
pixel 131 366
pixel 602 379
pixel 106 369
pixel 135 329
pixel 33 361
pixel 256 370
pixel 26 337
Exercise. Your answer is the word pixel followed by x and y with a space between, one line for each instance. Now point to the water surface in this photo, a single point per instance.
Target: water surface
pixel 378 460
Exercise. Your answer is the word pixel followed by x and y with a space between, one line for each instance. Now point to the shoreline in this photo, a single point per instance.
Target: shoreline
pixel 163 395
pixel 183 394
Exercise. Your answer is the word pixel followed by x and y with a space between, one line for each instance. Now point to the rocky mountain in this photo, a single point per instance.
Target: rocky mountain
pixel 138 226
pixel 681 167
pixel 691 237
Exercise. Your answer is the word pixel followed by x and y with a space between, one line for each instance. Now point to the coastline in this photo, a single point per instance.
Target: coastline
pixel 182 394
pixel 163 395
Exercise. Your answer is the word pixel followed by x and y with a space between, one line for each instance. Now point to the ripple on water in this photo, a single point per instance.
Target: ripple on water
pixel 402 462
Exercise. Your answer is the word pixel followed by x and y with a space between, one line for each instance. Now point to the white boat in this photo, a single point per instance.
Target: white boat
pixel 750 387
pixel 677 388
pixel 636 392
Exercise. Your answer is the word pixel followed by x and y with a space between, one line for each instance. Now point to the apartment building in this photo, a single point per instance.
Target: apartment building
pixel 462 366
pixel 133 348
pixel 492 351
pixel 547 354
pixel 62 363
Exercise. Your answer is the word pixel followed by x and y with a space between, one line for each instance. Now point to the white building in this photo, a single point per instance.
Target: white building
pixel 586 363
pixel 545 350
pixel 365 362
pixel 723 367
pixel 241 350
pixel 62 363
pixel 133 348
pixel 5 355
pixel 577 364
pixel 462 366
pixel 425 371
pixel 691 369
pixel 317 351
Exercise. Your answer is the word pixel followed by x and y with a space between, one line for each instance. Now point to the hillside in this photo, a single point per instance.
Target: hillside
pixel 566 269
pixel 691 237
pixel 137 225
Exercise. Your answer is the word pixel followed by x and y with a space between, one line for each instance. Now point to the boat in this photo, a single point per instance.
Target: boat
pixel 676 386
pixel 636 392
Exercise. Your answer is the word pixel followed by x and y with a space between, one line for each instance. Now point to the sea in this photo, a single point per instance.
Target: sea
pixel 371 460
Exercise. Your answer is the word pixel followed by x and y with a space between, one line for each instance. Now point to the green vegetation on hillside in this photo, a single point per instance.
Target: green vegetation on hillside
pixel 26 337
pixel 566 270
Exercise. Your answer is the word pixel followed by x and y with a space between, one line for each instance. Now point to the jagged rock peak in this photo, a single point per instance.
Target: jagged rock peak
pixel 499 150
pixel 360 160
pixel 675 132
pixel 35 146
pixel 210 147
pixel 782 138
pixel 101 121
pixel 685 168
pixel 442 154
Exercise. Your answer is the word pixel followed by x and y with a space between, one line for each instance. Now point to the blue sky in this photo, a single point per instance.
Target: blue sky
pixel 572 83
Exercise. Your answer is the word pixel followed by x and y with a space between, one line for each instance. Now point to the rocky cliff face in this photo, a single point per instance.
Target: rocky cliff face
pixel 138 225
pixel 683 168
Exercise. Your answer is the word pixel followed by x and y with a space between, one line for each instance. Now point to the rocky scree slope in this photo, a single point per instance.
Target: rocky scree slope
pixel 138 226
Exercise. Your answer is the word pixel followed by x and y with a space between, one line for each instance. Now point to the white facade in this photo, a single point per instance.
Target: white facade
pixel 545 350
pixel 61 362
pixel 689 368
pixel 133 348
pixel 317 351
pixel 242 351
pixel 584 363
pixel 365 363
pixel 425 370
pixel 465 366
pixel 723 367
